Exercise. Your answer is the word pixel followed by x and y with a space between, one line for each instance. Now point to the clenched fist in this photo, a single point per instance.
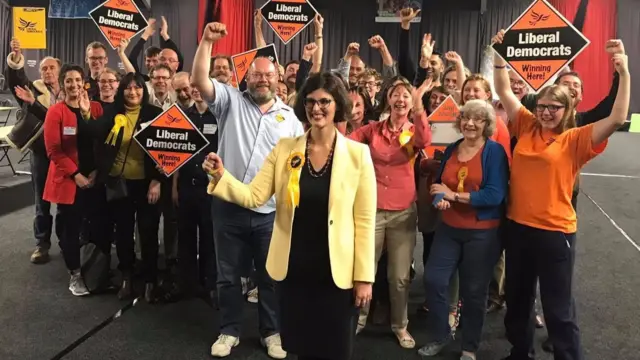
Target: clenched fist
pixel 214 32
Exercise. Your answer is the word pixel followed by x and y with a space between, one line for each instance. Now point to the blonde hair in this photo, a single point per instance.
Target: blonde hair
pixel 480 109
pixel 476 77
pixel 560 94
pixel 109 70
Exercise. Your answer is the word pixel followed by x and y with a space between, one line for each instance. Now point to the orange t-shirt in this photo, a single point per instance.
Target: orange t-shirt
pixel 543 171
pixel 464 216
pixel 502 137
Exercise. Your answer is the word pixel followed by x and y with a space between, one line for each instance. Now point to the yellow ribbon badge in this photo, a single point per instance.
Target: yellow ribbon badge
pixel 406 141
pixel 462 174
pixel 279 118
pixel 294 165
pixel 119 122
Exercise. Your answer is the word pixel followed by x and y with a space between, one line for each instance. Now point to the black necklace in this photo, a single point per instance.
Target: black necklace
pixel 324 169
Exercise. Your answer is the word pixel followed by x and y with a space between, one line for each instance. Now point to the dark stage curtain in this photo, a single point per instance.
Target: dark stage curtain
pixel 466 32
pixel 594 64
pixel 628 30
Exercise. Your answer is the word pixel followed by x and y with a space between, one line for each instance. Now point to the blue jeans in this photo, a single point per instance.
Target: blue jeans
pixel 473 253
pixel 238 232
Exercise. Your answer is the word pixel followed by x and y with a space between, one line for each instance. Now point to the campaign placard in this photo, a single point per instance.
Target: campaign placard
pixel 29 27
pixel 118 19
pixel 442 122
pixel 288 18
pixel 242 62
pixel 540 43
pixel 171 139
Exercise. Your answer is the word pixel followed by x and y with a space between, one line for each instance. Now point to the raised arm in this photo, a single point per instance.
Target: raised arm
pixel 389 67
pixel 16 76
pixel 226 187
pixel 257 29
pixel 426 50
pixel 406 67
pixel 305 64
pixel 139 46
pixel 364 213
pixel 509 100
pixel 167 43
pixel 422 134
pixel 607 126
pixel 318 25
pixel 202 61
pixel 126 63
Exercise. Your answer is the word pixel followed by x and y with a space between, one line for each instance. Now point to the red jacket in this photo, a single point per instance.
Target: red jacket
pixel 62 149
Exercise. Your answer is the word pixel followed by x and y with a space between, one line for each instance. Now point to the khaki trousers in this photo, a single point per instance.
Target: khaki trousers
pixel 395 231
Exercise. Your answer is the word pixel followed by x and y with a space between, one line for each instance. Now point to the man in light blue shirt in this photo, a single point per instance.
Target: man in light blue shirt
pixel 250 123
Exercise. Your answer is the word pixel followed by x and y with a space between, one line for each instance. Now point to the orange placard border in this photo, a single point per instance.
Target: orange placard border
pixel 105 35
pixel 569 24
pixel 299 31
pixel 135 137
pixel 235 73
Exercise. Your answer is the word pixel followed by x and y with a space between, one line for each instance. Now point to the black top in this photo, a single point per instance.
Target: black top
pixel 208 126
pixel 309 261
pixel 93 91
pixel 86 156
pixel 105 105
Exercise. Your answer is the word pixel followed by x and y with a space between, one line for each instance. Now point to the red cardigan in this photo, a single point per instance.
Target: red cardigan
pixel 62 149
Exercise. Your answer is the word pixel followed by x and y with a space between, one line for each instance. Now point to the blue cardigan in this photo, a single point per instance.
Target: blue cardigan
pixel 489 201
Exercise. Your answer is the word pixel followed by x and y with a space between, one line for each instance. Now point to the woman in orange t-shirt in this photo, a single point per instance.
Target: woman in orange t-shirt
pixel 473 180
pixel 542 221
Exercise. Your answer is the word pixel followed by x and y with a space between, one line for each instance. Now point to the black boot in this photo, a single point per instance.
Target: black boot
pixel 126 289
pixel 150 295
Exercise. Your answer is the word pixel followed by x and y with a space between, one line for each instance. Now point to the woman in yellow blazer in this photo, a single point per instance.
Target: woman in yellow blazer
pixel 322 248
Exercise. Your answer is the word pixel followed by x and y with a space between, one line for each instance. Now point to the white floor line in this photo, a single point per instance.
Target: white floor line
pixel 611 175
pixel 629 239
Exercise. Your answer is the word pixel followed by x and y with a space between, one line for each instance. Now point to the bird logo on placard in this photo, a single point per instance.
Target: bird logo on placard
pixel 172 119
pixel 122 2
pixel 537 18
pixel 25 25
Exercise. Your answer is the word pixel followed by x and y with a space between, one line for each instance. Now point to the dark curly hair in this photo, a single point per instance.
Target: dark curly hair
pixel 124 84
pixel 67 68
pixel 331 84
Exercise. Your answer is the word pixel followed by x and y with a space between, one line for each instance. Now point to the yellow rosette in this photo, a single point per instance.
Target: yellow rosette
pixel 462 174
pixel 294 165
pixel 119 122
pixel 406 141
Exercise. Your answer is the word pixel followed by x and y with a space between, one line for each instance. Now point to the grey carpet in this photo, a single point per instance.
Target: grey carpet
pixel 39 318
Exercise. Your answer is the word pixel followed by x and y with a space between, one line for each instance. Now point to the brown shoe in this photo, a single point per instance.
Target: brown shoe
pixel 40 256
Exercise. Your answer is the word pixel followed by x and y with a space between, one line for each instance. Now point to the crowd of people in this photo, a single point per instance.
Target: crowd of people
pixel 314 185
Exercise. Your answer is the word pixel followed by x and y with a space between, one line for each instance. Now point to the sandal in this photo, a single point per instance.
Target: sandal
pixel 405 340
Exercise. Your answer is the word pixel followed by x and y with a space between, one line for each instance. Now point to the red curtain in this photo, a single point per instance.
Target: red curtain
pixel 237 15
pixel 593 64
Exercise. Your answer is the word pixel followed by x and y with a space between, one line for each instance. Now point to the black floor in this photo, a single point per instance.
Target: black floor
pixel 39 317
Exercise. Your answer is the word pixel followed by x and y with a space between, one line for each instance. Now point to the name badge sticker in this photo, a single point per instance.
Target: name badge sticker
pixel 209 129
pixel 69 131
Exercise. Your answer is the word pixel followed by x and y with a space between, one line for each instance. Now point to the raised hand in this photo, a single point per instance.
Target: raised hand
pixel 614 46
pixel 257 19
pixel 407 15
pixel 15 46
pixel 353 49
pixel 212 164
pixel 418 93
pixel 83 102
pixel 164 28
pixel 25 94
pixel 318 24
pixel 123 45
pixel 377 42
pixel 150 30
pixel 426 50
pixel 214 32
pixel 499 37
pixel 621 63
pixel 453 57
pixel 309 50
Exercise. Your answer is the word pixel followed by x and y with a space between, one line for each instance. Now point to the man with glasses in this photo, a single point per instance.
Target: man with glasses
pixel 161 94
pixel 97 60
pixel 250 124
pixel 152 55
pixel 370 80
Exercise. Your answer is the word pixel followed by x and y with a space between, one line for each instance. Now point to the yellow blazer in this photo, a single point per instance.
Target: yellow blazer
pixel 352 208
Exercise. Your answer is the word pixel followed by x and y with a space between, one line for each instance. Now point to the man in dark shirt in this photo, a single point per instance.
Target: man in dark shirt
pixel 195 224
pixel 97 60
pixel 152 54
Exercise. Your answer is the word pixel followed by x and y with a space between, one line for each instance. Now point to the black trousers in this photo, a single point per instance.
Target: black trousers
pixel 43 221
pixel 196 254
pixel 169 222
pixel 89 210
pixel 123 214
pixel 548 256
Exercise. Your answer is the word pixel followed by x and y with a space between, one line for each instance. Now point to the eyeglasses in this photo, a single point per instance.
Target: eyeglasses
pixel 97 58
pixel 109 81
pixel 323 103
pixel 465 119
pixel 552 108
pixel 171 61
pixel 161 78
pixel 518 83
pixel 258 76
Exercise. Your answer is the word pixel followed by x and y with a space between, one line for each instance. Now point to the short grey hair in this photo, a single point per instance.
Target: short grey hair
pixel 46 58
pixel 480 109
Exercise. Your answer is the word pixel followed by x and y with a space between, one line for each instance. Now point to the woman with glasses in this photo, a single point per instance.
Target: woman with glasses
pixel 469 191
pixel 542 221
pixel 322 247
pixel 133 182
pixel 394 145
pixel 108 82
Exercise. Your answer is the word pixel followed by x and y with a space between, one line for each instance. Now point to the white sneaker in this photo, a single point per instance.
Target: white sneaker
pixel 76 284
pixel 222 347
pixel 252 296
pixel 274 346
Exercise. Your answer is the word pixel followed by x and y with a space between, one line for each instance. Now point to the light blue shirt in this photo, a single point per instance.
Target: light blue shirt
pixel 246 135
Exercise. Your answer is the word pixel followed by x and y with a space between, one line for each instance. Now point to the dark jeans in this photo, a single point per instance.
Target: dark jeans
pixel 427 242
pixel 123 213
pixel 196 255
pixel 548 256
pixel 473 253
pixel 43 222
pixel 169 222
pixel 238 231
